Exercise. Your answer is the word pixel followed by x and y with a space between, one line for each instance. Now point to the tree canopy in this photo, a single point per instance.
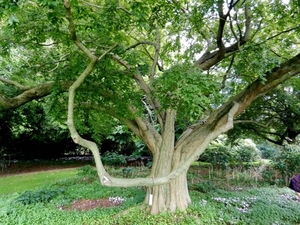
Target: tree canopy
pixel 151 65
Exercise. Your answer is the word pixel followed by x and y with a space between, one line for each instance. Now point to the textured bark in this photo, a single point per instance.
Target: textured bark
pixel 174 195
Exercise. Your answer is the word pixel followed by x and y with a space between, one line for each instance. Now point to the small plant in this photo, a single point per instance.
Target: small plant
pixel 44 195
pixel 269 175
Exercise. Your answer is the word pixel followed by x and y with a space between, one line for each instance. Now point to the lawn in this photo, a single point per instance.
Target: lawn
pixel 22 182
pixel 217 201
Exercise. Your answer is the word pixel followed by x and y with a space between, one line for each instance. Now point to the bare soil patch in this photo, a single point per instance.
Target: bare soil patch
pixel 88 204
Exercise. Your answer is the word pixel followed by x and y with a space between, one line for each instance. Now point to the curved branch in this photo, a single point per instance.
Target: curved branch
pixel 250 121
pixel 258 88
pixel 209 59
pixel 280 33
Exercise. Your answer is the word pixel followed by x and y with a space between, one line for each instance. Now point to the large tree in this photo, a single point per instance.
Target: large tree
pixel 152 65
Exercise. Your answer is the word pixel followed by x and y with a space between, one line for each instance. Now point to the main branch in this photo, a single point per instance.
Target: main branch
pixel 211 58
pixel 32 93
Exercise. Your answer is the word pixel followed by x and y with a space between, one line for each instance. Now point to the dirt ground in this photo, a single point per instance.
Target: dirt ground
pixel 87 204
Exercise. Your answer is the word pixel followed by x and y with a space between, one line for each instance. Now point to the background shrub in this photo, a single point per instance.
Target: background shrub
pixel 218 154
pixel 287 161
pixel 113 159
pixel 267 151
pixel 246 151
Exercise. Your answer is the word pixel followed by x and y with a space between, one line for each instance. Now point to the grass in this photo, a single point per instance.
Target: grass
pixel 212 203
pixel 22 182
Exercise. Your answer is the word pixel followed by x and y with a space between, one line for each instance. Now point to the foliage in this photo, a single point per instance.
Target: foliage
pixel 43 195
pixel 120 141
pixel 87 172
pixel 222 154
pixel 112 158
pixel 287 161
pixel 140 149
pixel 186 89
pixel 267 151
pixel 247 151
pixel 205 186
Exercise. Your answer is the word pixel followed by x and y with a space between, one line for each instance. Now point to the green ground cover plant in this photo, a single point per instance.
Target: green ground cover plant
pixel 214 202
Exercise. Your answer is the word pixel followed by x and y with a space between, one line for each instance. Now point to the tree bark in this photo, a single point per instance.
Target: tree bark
pixel 169 197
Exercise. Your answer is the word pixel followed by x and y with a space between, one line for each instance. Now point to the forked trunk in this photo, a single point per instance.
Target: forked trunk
pixel 174 195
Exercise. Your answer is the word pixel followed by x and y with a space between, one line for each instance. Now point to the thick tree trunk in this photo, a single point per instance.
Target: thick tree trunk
pixel 174 195
pixel 168 197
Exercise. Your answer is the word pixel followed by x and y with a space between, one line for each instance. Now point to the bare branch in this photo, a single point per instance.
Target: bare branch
pixel 247 24
pixel 280 33
pixel 227 72
pixel 233 32
pixel 156 55
pixel 141 43
pixel 250 121
pixel 209 59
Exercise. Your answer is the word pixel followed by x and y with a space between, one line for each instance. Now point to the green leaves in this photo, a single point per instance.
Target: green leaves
pixel 12 19
pixel 8 10
pixel 185 89
pixel 43 195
